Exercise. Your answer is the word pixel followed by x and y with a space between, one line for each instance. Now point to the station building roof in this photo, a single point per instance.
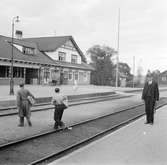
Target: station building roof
pixel 42 45
pixel 6 49
pixel 50 44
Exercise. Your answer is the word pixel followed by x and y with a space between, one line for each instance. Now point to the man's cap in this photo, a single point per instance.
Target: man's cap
pixel 149 75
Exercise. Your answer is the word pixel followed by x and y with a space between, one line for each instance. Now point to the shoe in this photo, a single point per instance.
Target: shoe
pixel 21 125
pixel 55 127
pixel 146 123
pixel 151 123
pixel 62 124
pixel 30 124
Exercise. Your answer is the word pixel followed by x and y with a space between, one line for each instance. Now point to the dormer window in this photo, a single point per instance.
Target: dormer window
pixel 29 51
pixel 62 56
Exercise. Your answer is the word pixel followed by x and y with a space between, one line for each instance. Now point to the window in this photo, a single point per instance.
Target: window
pixel 62 56
pixel 70 75
pixel 46 74
pixel 4 71
pixel 27 50
pixel 163 78
pixel 65 74
pixel 75 75
pixel 74 59
pixel 18 72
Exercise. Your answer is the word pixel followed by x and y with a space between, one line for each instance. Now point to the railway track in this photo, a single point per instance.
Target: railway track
pixel 8 111
pixel 46 147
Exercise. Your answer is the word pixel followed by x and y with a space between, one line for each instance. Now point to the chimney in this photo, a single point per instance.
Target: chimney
pixel 19 34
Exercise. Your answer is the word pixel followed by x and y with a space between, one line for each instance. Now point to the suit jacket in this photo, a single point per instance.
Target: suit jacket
pixel 23 103
pixel 154 91
pixel 22 95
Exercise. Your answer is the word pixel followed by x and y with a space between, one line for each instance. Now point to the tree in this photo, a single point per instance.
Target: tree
pixel 125 70
pixel 101 61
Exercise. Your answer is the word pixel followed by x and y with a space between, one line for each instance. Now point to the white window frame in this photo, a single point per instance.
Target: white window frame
pixel 74 59
pixel 76 75
pixel 61 56
pixel 29 51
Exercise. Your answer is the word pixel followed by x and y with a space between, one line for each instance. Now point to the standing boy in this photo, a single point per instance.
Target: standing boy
pixel 60 102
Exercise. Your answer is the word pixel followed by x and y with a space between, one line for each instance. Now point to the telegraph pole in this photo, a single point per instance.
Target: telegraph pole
pixel 133 71
pixel 117 66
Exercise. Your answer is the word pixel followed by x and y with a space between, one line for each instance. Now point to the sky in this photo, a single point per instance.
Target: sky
pixel 143 26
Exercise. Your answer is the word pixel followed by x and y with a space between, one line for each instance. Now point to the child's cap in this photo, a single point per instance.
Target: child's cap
pixel 57 90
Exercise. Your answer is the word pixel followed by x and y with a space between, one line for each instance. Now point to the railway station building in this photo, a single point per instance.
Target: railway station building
pixel 163 78
pixel 44 60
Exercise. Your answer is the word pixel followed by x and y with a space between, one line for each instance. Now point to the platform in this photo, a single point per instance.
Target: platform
pixel 47 91
pixel 43 120
pixel 134 144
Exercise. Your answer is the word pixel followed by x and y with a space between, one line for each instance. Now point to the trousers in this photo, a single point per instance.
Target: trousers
pixel 58 113
pixel 149 109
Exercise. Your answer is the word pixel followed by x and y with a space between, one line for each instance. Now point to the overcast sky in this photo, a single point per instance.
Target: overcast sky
pixel 143 25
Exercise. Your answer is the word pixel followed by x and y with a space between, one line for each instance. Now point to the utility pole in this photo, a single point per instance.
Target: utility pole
pixel 117 66
pixel 133 71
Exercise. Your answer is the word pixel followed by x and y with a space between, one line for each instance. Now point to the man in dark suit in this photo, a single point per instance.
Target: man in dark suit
pixel 150 95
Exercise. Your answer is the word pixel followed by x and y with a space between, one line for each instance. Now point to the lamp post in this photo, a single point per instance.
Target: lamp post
pixel 15 19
